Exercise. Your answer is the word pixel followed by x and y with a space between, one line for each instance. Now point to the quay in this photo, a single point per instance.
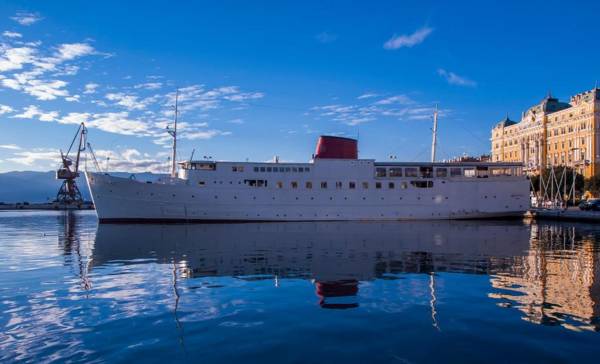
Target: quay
pixel 86 205
pixel 572 213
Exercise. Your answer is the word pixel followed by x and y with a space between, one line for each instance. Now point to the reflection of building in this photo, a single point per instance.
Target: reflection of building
pixel 558 282
pixel 553 133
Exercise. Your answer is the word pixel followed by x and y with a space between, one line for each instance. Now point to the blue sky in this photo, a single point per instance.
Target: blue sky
pixel 265 78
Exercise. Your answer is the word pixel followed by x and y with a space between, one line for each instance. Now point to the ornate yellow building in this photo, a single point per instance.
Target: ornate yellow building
pixel 553 133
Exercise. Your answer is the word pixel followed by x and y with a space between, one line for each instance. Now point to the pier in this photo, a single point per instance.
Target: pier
pixel 572 214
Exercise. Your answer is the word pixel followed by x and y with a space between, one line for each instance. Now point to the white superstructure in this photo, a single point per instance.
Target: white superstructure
pixel 326 189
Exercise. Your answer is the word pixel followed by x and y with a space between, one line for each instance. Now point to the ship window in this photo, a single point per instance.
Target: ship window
pixel 426 172
pixel 255 182
pixel 300 169
pixel 308 184
pixel 410 172
pixel 422 184
pixel 395 172
pixel 351 185
pixel 377 184
pixel 455 172
pixel 391 185
pixel 365 185
pixel 469 172
pixel 380 172
pixel 294 184
pixel 255 169
pixel 279 184
pixel 323 184
pixel 338 185
pixel 441 172
pixel 262 169
pixel 269 169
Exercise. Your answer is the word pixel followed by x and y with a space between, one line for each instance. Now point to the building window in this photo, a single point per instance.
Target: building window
pixel 294 184
pixel 308 185
pixel 279 184
pixel 351 185
pixel 323 184
pixel 441 172
pixel 391 185
pixel 395 172
pixel 306 169
pixel 380 172
pixel 338 185
pixel 365 185
pixel 377 184
pixel 300 169
pixel 255 169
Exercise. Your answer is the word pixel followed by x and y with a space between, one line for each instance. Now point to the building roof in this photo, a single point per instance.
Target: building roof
pixel 505 122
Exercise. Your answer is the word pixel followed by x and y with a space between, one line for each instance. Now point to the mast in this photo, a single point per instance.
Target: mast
pixel 434 136
pixel 174 135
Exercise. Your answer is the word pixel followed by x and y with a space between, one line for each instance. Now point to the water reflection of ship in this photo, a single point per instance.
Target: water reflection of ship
pixel 558 281
pixel 336 256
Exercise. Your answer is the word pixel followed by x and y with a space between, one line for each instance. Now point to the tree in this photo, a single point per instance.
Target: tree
pixel 592 185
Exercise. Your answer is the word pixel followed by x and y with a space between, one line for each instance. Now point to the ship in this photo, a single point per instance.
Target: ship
pixel 335 185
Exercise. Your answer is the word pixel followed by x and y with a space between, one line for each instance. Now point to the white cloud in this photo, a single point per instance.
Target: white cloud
pixel 15 58
pixel 33 112
pixel 399 107
pixel 367 95
pixel 31 157
pixel 90 88
pixel 130 102
pixel 454 79
pixel 236 121
pixel 32 81
pixel 69 51
pixel 5 109
pixel 10 146
pixel 326 37
pixel 408 40
pixel 148 86
pixel 9 34
pixel 26 19
pixel 397 99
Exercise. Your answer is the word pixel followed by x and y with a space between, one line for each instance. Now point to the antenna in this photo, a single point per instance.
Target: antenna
pixel 173 133
pixel 434 136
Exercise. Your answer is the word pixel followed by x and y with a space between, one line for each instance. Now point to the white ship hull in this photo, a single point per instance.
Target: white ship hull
pixel 223 194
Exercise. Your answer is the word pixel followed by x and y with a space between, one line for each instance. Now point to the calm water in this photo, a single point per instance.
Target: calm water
pixel 297 292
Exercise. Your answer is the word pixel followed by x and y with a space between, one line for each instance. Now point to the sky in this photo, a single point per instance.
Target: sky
pixel 265 78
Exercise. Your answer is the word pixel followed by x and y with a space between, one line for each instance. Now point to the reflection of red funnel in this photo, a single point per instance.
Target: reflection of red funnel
pixel 341 288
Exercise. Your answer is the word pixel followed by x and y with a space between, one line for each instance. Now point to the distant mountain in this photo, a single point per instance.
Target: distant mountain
pixel 42 186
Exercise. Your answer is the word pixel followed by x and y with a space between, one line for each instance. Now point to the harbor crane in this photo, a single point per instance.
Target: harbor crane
pixel 69 193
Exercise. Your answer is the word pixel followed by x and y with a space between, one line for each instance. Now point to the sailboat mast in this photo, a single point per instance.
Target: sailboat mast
pixel 434 136
pixel 174 156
